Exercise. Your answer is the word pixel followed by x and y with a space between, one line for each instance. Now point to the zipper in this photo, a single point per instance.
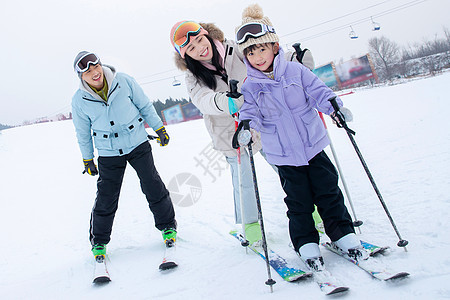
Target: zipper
pixel 112 91
pixel 292 120
pixel 94 100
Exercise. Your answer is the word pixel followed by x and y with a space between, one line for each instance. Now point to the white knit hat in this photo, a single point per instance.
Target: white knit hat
pixel 254 14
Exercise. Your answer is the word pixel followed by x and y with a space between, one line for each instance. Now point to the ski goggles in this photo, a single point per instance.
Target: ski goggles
pixel 183 32
pixel 253 30
pixel 85 61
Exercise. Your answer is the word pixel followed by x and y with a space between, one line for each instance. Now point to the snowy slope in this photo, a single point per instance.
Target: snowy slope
pixel 45 205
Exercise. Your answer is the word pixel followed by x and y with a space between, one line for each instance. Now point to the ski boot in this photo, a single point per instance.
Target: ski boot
pixel 351 246
pixel 169 236
pixel 318 221
pixel 253 234
pixel 310 254
pixel 99 251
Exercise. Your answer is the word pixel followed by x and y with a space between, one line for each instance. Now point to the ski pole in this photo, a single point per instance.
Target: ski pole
pixel 235 94
pixel 248 141
pixel 357 222
pixel 152 137
pixel 300 53
pixel 341 123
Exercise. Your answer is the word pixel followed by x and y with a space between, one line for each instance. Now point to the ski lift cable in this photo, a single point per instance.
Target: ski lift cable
pixel 337 18
pixel 161 79
pixel 159 73
pixel 404 6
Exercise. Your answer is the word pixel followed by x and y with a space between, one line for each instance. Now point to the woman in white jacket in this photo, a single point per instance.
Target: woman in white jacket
pixel 210 62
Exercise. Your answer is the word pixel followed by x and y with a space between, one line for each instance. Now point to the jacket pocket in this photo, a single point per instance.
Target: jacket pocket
pixel 270 140
pixel 315 130
pixel 102 139
pixel 131 132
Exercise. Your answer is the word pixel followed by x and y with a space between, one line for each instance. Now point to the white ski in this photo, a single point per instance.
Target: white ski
pixel 101 274
pixel 168 261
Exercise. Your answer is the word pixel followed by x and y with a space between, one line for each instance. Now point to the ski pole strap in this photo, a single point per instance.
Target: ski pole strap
pixel 244 124
pixel 234 141
pixel 340 118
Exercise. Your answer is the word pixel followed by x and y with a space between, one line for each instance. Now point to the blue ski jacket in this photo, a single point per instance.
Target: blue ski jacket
pixel 115 126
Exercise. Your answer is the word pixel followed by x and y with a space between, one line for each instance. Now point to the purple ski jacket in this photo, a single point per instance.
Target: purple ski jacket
pixel 284 110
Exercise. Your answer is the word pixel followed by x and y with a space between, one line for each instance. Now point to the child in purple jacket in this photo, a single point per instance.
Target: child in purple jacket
pixel 281 100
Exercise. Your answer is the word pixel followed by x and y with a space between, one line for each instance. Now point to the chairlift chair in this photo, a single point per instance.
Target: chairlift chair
pixel 376 26
pixel 352 34
pixel 175 82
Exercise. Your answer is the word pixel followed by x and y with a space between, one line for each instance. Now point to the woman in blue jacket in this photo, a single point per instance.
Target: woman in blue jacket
pixel 110 109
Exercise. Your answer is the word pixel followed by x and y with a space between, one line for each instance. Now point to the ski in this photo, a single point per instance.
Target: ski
pixel 288 272
pixel 373 249
pixel 327 283
pixel 101 274
pixel 372 266
pixel 168 261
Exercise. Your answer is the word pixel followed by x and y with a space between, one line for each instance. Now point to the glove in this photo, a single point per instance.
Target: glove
pixel 163 137
pixel 348 116
pixel 90 167
pixel 345 113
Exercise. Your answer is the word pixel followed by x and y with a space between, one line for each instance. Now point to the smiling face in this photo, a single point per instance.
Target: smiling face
pixel 261 56
pixel 94 76
pixel 199 48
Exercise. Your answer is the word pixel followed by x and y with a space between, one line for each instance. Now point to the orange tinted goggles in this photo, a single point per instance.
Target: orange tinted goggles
pixel 183 33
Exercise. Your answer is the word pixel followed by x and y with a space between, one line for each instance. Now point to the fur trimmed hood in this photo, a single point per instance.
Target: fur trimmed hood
pixel 213 31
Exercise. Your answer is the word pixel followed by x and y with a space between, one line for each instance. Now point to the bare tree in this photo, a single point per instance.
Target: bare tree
pixel 447 35
pixel 385 54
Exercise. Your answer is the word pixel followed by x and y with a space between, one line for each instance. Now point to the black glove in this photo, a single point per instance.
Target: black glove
pixel 90 167
pixel 163 137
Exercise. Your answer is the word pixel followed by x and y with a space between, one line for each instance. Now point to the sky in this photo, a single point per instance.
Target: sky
pixel 40 39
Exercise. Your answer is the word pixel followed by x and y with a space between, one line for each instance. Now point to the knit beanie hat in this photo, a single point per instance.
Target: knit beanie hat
pixel 78 57
pixel 181 33
pixel 254 14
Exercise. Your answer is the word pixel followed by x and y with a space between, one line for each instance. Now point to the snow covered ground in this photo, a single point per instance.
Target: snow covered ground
pixel 45 203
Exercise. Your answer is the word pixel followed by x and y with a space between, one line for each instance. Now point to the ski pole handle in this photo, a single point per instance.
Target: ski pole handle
pixel 299 52
pixel 233 93
pixel 152 137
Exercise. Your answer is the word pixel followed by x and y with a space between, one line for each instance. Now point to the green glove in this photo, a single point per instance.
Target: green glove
pixel 90 167
pixel 163 137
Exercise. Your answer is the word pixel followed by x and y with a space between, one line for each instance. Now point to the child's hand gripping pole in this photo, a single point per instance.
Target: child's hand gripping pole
pixel 240 137
pixel 338 117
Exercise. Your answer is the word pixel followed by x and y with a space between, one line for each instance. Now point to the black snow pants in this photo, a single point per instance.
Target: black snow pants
pixel 314 184
pixel 111 172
